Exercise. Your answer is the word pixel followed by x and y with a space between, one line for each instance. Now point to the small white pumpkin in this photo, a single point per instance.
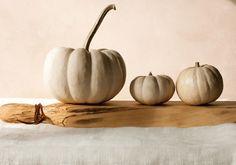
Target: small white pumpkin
pixel 151 89
pixel 199 85
pixel 83 76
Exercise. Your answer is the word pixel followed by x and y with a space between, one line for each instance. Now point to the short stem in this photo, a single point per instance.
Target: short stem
pixel 97 24
pixel 150 74
pixel 197 64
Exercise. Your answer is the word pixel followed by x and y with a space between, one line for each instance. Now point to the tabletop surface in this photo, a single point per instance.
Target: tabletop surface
pixel 127 113
pixel 124 144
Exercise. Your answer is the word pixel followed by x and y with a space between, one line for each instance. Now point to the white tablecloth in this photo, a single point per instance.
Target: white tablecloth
pixel 45 144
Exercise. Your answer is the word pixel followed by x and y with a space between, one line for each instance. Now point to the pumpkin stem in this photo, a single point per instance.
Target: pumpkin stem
pixel 97 24
pixel 150 74
pixel 197 64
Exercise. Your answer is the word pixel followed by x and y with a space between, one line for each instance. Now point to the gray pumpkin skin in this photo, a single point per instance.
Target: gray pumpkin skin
pixel 85 76
pixel 199 85
pixel 152 90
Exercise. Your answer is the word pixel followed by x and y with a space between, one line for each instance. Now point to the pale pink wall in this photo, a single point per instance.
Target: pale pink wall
pixel 155 35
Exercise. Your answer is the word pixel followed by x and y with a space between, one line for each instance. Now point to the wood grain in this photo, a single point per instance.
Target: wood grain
pixel 125 114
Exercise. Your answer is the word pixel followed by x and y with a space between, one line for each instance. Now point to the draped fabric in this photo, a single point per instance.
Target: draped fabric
pixel 45 144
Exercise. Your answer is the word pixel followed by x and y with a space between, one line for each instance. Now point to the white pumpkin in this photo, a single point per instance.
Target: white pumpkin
pixel 151 89
pixel 83 76
pixel 199 85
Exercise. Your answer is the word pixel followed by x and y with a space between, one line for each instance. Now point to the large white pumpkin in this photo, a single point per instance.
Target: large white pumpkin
pixel 199 85
pixel 85 76
pixel 151 89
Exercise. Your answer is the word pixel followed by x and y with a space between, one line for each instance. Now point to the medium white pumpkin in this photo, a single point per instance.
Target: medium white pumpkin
pixel 83 76
pixel 151 89
pixel 199 85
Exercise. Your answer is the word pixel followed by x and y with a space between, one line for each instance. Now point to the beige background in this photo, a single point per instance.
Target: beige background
pixel 159 36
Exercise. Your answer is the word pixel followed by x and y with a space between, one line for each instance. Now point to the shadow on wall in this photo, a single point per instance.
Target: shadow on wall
pixel 234 1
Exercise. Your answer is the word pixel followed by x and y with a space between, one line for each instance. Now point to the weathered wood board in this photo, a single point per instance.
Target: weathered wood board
pixel 125 114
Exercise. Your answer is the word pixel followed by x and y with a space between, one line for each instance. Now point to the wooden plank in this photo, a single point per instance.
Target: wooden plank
pixel 126 114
